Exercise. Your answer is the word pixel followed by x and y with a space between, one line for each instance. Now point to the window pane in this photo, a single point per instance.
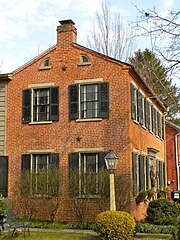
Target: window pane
pixel 89 101
pixel 89 174
pixel 41 105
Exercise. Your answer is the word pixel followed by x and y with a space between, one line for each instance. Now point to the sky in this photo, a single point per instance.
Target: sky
pixel 28 27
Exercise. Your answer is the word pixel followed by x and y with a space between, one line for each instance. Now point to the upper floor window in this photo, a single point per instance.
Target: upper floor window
pixel 145 113
pixel 45 64
pixel 40 104
pixel 84 60
pixel 89 101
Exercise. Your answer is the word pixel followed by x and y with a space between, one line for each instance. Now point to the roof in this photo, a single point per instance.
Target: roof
pixel 5 77
pixel 129 66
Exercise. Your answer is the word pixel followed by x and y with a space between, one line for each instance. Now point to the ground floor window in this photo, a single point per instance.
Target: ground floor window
pixel 42 172
pixel 85 167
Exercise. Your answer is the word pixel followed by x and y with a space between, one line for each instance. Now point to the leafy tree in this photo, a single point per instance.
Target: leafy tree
pixel 151 69
pixel 110 35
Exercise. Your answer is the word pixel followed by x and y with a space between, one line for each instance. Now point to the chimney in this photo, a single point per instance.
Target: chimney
pixel 66 33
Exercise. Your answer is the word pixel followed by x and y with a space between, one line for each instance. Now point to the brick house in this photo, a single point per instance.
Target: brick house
pixel 173 156
pixel 68 106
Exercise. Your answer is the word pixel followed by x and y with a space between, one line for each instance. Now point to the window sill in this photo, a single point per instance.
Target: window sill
pixel 44 68
pixel 84 64
pixel 89 120
pixel 144 127
pixel 136 122
pixel 37 123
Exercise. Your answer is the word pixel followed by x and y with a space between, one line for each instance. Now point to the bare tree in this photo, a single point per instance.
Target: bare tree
pixel 164 32
pixel 110 35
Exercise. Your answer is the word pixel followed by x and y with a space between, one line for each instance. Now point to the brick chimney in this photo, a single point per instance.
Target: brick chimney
pixel 66 33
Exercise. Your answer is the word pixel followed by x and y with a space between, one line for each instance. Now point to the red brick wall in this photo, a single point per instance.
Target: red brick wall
pixel 171 156
pixel 118 132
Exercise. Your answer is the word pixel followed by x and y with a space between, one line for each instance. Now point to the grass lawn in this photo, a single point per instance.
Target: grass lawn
pixel 75 236
pixel 52 236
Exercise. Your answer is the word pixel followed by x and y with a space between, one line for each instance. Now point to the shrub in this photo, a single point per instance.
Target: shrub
pixel 177 230
pixel 162 212
pixel 115 225
pixel 141 197
pixel 155 229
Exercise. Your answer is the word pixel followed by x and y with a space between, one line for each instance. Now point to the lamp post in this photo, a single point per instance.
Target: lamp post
pixel 111 164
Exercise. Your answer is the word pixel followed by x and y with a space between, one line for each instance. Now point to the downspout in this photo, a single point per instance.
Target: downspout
pixel 177 159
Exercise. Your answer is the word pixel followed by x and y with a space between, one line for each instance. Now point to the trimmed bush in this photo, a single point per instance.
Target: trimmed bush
pixel 155 229
pixel 162 212
pixel 114 225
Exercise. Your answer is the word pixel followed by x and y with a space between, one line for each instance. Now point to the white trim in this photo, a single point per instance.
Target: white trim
pixel 89 81
pixel 40 151
pixel 43 122
pixel 41 85
pixel 89 150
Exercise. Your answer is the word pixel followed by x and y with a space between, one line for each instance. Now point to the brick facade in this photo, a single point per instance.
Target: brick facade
pixel 118 132
pixel 172 154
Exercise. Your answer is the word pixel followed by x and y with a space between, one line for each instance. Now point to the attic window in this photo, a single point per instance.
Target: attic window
pixel 84 60
pixel 45 64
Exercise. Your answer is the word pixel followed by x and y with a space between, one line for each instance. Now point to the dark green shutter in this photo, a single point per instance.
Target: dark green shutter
pixel 148 115
pixel 54 103
pixel 160 174
pixel 4 175
pixel 147 172
pixel 102 164
pixel 140 107
pixel 134 173
pixel 157 174
pixel 26 105
pixel 54 160
pixel 154 121
pixel 141 173
pixel 104 100
pixel 25 162
pixel 73 101
pixel 133 102
pixel 159 125
pixel 74 174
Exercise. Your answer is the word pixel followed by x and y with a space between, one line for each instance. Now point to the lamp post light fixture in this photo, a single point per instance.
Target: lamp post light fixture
pixel 111 164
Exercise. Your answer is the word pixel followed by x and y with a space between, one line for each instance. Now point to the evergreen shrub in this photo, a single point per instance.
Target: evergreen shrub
pixel 115 225
pixel 162 212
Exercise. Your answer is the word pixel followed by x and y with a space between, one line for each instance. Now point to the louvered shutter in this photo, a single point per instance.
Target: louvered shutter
pixel 103 99
pixel 160 174
pixel 73 101
pixel 134 173
pixel 74 174
pixel 147 172
pixel 133 102
pixel 4 175
pixel 141 173
pixel 157 174
pixel 25 162
pixel 140 108
pixel 26 105
pixel 54 103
